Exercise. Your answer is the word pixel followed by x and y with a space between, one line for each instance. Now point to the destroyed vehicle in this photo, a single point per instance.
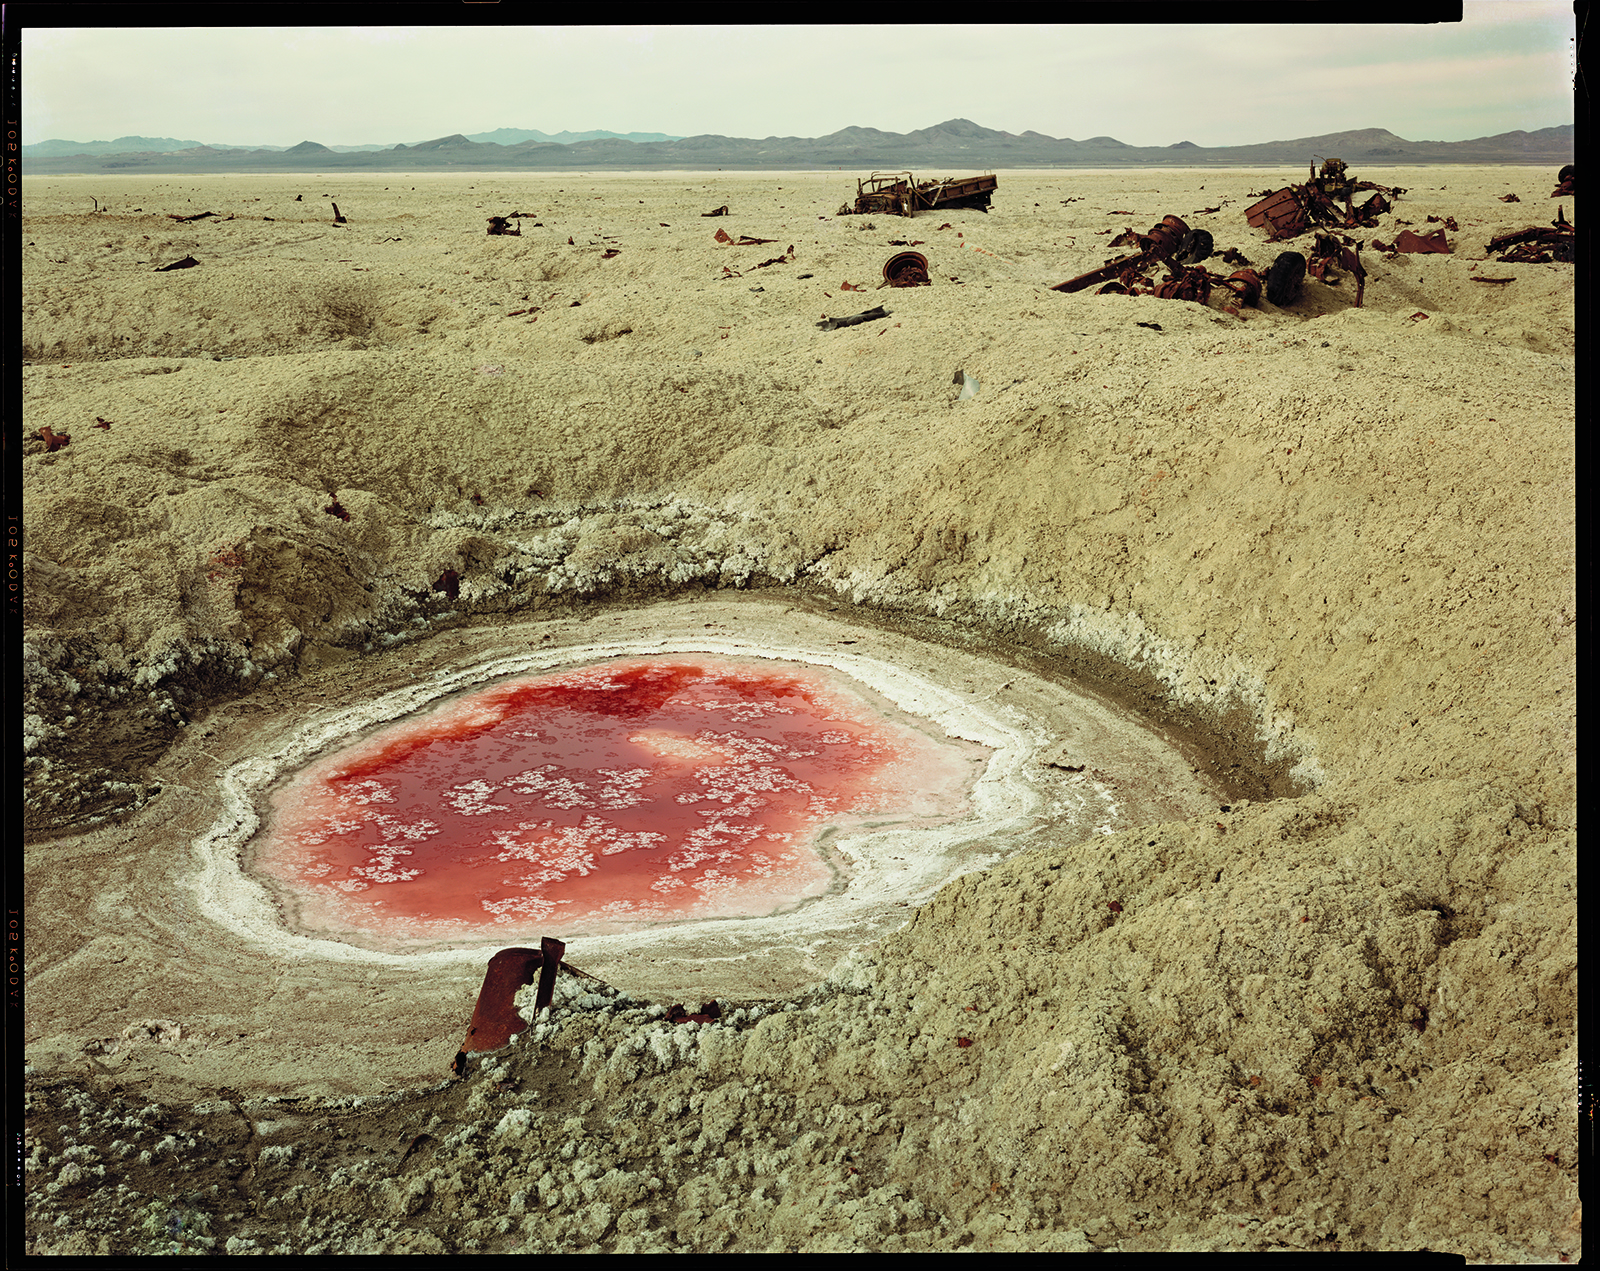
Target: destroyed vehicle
pixel 901 194
pixel 1295 209
pixel 1538 246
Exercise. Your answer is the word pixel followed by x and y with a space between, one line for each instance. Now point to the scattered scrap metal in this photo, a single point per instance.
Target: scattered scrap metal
pixel 1173 244
pixel 503 225
pixel 901 194
pixel 720 211
pixel 1293 210
pixel 744 240
pixel 1538 246
pixel 1342 252
pixel 53 441
pixel 1564 180
pixel 1160 245
pixel 188 262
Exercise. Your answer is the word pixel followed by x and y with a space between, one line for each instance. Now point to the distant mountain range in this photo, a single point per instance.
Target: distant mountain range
pixel 56 149
pixel 957 143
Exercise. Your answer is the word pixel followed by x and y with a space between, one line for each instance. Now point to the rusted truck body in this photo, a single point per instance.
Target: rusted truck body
pixel 901 194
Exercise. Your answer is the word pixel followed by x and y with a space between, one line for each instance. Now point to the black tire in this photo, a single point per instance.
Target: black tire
pixel 1564 173
pixel 1283 282
pixel 1197 246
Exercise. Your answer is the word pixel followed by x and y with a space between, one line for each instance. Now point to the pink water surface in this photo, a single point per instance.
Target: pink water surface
pixel 635 791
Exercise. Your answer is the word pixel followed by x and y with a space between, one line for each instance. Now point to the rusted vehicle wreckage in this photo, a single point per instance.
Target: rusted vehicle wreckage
pixel 901 194
pixel 1293 210
pixel 1296 209
pixel 1173 244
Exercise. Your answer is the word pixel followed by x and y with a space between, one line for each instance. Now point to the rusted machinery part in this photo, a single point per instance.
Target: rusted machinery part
pixel 1246 286
pixel 1164 239
pixel 908 269
pixel 1156 246
pixel 1197 245
pixel 495 1018
pixel 1188 284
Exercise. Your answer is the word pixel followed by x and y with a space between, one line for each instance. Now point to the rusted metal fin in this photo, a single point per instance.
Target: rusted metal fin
pixel 552 949
pixel 495 1019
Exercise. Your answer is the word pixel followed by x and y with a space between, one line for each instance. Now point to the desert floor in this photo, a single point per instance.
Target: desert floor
pixel 1315 989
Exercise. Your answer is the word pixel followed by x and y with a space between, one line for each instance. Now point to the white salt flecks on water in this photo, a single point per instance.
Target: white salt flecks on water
pixel 634 792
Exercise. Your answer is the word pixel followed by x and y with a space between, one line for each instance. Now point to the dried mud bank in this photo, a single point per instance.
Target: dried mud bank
pixel 1344 536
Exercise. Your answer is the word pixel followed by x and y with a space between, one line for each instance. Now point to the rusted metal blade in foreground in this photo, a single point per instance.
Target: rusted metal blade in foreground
pixel 495 1019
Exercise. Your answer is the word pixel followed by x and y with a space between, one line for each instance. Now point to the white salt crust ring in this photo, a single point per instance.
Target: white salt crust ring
pixel 1129 776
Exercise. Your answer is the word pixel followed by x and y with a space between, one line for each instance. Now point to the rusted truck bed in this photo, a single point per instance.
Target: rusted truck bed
pixel 901 194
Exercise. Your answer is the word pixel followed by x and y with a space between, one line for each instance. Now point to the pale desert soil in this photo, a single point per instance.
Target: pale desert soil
pixel 1333 547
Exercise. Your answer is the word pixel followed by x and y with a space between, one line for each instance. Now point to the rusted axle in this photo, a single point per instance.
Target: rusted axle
pixel 1160 244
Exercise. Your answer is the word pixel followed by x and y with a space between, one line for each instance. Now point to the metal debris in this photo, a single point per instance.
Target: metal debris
pixel 495 1018
pixel 1536 245
pixel 53 441
pixel 1564 183
pixel 188 262
pixel 1342 252
pixel 870 315
pixel 1293 210
pixel 1417 243
pixel 1161 243
pixel 503 225
pixel 1180 248
pixel 908 269
pixel 720 211
pixel 901 194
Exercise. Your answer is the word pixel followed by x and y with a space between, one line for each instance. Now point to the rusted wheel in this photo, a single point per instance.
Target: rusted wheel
pixel 1197 246
pixel 1283 282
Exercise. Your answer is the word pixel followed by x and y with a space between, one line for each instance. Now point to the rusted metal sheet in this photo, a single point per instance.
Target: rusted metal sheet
pixel 1280 212
pixel 495 1018
pixel 1417 243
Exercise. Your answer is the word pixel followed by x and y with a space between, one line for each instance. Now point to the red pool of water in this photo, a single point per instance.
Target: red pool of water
pixel 635 791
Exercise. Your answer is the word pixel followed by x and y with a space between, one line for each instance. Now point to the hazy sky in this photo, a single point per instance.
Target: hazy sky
pixel 1508 65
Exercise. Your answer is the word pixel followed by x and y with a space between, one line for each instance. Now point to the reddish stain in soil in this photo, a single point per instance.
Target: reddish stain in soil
pixel 636 791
